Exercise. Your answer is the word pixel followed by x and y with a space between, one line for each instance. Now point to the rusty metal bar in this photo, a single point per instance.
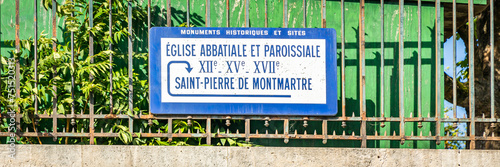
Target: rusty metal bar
pixel 18 72
pixel 247 17
pixel 187 13
pixel 304 13
pixel 438 71
pixel 169 14
pixel 263 136
pixel 401 72
pixel 18 50
pixel 169 129
pixel 227 13
pixel 149 20
pixel 54 99
pixel 323 13
pixel 207 13
pixel 472 112
pixel 492 61
pixel 91 77
pixel 35 52
pixel 286 127
pixel 247 130
pixel 265 14
pixel 362 89
pixel 325 131
pixel 1 64
pixel 419 64
pixel 208 131
pixel 382 64
pixel 342 57
pixel 130 69
pixel 293 118
pixel 72 75
pixel 285 13
pixel 149 28
pixel 111 59
pixel 454 62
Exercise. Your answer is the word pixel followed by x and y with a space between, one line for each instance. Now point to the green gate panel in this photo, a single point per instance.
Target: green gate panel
pixel 295 16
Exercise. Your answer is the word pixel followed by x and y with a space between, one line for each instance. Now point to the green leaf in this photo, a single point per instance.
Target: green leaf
pixel 47 4
pixel 231 142
pixel 56 55
pixel 123 137
pixel 26 118
pixel 223 141
pixel 60 109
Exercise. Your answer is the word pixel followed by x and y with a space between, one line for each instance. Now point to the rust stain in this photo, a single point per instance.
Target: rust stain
pixel 110 116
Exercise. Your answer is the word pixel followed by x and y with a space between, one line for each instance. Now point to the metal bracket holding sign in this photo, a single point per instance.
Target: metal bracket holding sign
pixel 243 71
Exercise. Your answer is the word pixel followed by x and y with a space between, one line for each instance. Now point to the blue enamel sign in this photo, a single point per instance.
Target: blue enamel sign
pixel 243 71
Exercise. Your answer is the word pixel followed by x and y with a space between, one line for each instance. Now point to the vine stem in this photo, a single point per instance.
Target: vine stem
pixel 34 128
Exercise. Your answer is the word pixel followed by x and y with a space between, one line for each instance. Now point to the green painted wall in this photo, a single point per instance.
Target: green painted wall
pixel 313 20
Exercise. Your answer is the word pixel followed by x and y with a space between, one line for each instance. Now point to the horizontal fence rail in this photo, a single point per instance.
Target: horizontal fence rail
pixel 351 124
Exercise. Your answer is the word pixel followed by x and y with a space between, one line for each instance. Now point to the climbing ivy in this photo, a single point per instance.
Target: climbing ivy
pixel 55 70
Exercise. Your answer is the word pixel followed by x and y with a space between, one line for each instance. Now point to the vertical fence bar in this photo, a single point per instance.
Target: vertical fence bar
pixel 382 63
pixel 342 62
pixel 285 14
pixel 169 129
pixel 91 77
pixel 438 71
pixel 401 72
pixel 323 14
pixel 1 64
pixel 209 131
pixel 207 13
pixel 419 65
pixel 18 72
pixel 111 59
pixel 169 14
pixel 72 76
pixel 149 28
pixel 130 69
pixel 286 127
pixel 247 130
pixel 492 61
pixel 362 94
pixel 54 99
pixel 35 51
pixel 227 13
pixel 304 6
pixel 149 22
pixel 472 112
pixel 454 62
pixel 247 17
pixel 325 131
pixel 265 13
pixel 187 13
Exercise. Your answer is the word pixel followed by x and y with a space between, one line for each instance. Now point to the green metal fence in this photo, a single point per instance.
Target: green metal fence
pixel 390 72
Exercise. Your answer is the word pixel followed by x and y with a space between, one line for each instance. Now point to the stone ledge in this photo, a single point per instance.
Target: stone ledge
pixel 103 155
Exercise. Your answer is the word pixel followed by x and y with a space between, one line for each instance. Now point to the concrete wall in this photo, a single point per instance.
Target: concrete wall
pixel 104 156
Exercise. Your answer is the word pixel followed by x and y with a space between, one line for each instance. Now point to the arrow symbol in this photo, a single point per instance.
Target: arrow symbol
pixel 188 68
